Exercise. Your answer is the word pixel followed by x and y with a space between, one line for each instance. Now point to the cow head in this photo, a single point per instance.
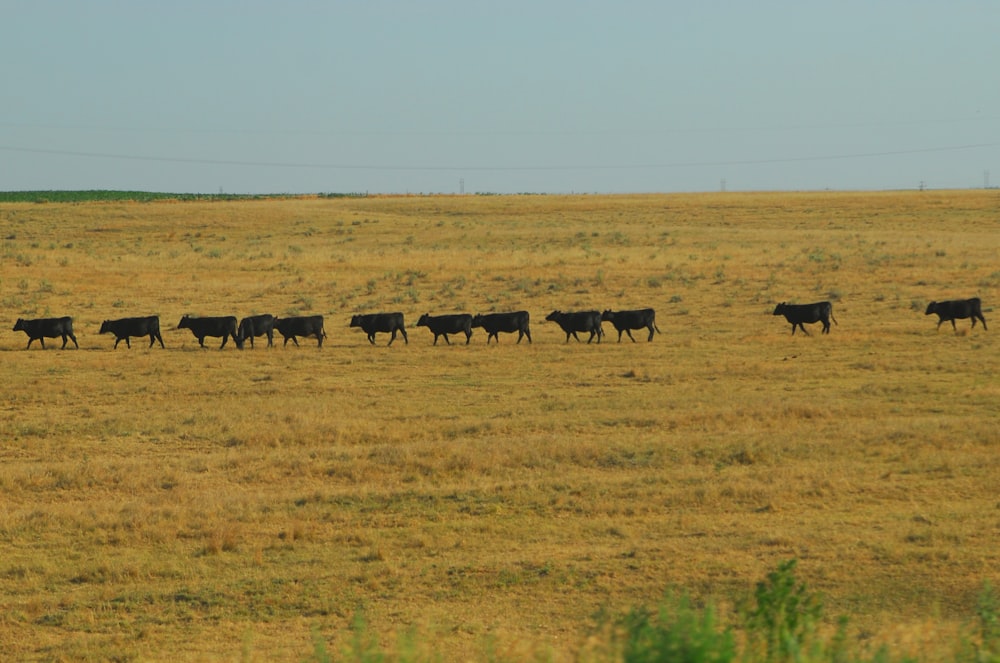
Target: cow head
pixel 105 327
pixel 779 309
pixel 608 316
pixel 931 308
pixel 554 315
pixel 424 320
pixel 19 325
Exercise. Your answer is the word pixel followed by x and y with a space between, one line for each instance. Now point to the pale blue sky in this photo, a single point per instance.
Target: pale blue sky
pixel 543 96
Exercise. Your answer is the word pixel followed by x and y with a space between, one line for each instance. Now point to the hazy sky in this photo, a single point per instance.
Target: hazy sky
pixel 516 96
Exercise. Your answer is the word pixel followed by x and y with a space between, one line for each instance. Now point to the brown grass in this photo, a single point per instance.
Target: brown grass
pixel 198 504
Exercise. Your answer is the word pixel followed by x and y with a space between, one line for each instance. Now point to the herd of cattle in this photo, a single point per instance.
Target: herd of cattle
pixel 573 324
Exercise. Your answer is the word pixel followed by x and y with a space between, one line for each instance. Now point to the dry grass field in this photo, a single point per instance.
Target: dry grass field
pixel 198 504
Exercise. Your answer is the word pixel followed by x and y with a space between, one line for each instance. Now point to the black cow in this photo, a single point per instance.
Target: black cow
pixel 626 321
pixel 958 309
pixel 442 325
pixel 43 328
pixel 494 323
pixel 308 325
pixel 373 323
pixel 580 321
pixel 224 326
pixel 123 328
pixel 806 313
pixel 257 325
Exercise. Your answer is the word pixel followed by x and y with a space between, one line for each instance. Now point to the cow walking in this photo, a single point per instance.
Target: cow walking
pixel 124 328
pixel 494 323
pixel 372 323
pixel 626 321
pixel 43 328
pixel 308 325
pixel 958 309
pixel 797 314
pixel 257 325
pixel 442 325
pixel 579 321
pixel 224 326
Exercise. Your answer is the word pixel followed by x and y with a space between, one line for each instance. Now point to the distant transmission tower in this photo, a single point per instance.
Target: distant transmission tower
pixel 461 185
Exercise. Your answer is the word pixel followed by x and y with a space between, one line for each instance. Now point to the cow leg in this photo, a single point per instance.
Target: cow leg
pixel 953 325
pixel 393 338
pixel 117 341
pixel 526 333
pixel 468 337
pixel 270 340
pixel 446 339
pixel 436 339
pixel 651 328
pixel 982 320
pixel 627 331
pixel 201 341
pixel 225 337
pixel 295 341
pixel 29 343
pixel 371 338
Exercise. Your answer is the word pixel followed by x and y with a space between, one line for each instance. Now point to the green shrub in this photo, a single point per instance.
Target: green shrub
pixel 678 633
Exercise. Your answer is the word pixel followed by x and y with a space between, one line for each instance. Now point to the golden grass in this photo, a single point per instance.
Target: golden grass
pixel 198 504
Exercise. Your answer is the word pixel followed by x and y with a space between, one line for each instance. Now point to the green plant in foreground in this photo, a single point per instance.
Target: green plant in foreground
pixel 781 625
pixel 678 633
pixel 988 613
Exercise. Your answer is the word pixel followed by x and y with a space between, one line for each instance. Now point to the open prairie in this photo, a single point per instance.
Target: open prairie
pixel 210 504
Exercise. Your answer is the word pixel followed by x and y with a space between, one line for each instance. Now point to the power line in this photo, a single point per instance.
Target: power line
pixel 576 167
pixel 562 131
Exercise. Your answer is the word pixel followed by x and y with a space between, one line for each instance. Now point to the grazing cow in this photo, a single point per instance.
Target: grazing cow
pixel 580 321
pixel 308 325
pixel 257 325
pixel 123 328
pixel 494 323
pixel 807 313
pixel 442 325
pixel 958 309
pixel 43 328
pixel 373 323
pixel 626 321
pixel 224 326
